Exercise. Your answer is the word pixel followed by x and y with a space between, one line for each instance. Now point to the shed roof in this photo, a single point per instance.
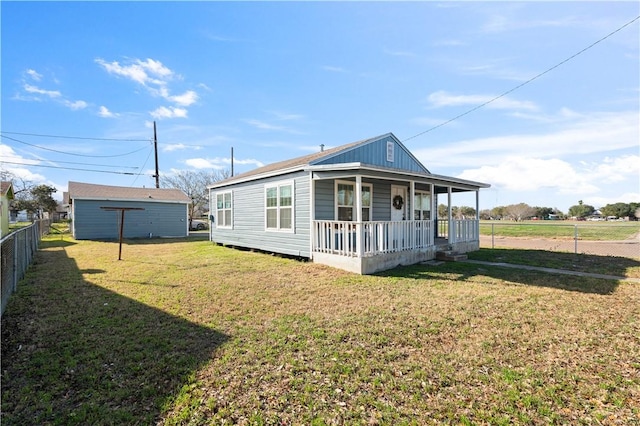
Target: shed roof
pixel 6 189
pixel 89 191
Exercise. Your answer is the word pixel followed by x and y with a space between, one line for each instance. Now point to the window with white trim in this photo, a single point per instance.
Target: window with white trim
pixel 279 207
pixel 345 201
pixel 224 209
pixel 422 209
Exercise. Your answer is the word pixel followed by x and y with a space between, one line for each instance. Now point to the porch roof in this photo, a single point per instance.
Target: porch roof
pixel 441 182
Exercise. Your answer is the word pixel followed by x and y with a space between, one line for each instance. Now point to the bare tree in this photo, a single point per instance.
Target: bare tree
pixel 519 211
pixel 194 184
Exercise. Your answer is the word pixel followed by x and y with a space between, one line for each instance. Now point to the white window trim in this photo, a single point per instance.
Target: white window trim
pixel 217 223
pixel 277 185
pixel 352 183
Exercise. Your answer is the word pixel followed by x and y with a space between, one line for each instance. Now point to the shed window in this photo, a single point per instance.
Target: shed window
pixel 224 209
pixel 279 207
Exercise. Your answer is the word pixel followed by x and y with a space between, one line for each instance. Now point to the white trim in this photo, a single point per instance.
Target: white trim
pixel 277 185
pixel 354 212
pixel 217 222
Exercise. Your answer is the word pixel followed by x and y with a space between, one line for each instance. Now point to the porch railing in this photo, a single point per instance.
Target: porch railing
pixel 462 230
pixel 360 239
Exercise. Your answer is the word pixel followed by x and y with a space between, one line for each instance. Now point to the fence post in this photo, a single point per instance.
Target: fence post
pixel 575 238
pixel 492 236
pixel 15 262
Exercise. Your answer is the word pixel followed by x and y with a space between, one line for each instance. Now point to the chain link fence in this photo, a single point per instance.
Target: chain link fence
pixel 620 239
pixel 17 251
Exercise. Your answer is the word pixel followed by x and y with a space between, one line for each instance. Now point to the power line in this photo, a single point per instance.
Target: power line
pixel 71 153
pixel 67 168
pixel 526 82
pixel 142 168
pixel 76 137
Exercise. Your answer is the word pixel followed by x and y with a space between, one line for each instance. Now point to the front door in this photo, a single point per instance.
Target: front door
pixel 398 203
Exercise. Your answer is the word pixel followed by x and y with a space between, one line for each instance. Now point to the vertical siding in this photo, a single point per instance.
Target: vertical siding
pixel 90 222
pixel 249 218
pixel 375 153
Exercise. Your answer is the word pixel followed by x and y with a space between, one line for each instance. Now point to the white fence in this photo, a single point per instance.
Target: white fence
pixel 18 249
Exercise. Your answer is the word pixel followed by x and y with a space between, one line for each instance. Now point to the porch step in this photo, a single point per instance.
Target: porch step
pixel 451 256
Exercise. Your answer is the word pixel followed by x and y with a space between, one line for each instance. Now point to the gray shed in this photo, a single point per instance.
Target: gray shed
pixel 364 207
pixel 165 212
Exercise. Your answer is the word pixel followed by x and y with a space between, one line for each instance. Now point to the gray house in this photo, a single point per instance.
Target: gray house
pixel 364 207
pixel 95 212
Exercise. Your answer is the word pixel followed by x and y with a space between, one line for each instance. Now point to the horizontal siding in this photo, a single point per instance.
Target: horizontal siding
pixel 249 218
pixel 90 222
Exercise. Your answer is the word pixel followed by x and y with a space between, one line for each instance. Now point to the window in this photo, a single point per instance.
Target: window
pixel 345 201
pixel 279 207
pixel 223 210
pixel 422 209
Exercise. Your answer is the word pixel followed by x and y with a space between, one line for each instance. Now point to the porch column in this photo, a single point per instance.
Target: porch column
pixel 449 218
pixel 312 209
pixel 359 230
pixel 412 200
pixel 433 214
pixel 477 226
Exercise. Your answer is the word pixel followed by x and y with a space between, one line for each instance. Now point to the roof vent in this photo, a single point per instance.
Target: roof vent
pixel 321 147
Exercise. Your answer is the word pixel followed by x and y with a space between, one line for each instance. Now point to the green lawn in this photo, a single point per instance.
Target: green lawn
pixel 186 332
pixel 593 231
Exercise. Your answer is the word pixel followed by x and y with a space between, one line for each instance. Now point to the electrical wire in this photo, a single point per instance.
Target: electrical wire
pixel 477 107
pixel 68 168
pixel 71 153
pixel 142 168
pixel 84 164
pixel 76 137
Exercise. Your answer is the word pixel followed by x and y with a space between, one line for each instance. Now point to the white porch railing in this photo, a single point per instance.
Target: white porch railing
pixel 464 230
pixel 360 239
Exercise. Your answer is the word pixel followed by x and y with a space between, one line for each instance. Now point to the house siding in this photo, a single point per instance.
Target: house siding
pixel 91 222
pixel 249 218
pixel 375 153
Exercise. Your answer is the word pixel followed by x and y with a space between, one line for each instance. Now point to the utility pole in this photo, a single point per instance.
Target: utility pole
pixel 155 147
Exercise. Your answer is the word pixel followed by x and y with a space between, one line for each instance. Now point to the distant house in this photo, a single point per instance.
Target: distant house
pixel 364 207
pixel 154 212
pixel 6 195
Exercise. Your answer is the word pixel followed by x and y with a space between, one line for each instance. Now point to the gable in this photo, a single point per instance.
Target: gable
pixel 385 151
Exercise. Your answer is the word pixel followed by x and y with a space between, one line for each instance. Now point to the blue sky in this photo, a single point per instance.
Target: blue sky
pixel 274 80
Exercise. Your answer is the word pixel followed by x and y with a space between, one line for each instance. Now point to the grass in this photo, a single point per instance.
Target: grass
pixel 592 231
pixel 185 332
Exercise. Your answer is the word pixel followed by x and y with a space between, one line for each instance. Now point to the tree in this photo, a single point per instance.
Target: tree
pixel 194 184
pixel 618 210
pixel 466 212
pixel 485 214
pixel 581 210
pixel 519 211
pixel 38 199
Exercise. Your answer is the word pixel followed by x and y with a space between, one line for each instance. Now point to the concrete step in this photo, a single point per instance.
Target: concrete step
pixel 451 256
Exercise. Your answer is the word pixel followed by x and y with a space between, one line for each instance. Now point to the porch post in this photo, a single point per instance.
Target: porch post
pixel 434 213
pixel 449 218
pixel 412 198
pixel 477 226
pixel 358 204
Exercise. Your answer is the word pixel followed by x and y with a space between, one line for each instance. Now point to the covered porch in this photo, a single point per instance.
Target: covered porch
pixel 370 222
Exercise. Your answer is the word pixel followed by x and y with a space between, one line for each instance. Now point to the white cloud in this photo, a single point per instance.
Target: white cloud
pixel 34 75
pixel 36 90
pixel 203 163
pixel 264 126
pixel 533 174
pixel 170 112
pixel 105 113
pixel 7 159
pixel 617 169
pixel 186 99
pixel 177 147
pixel 75 105
pixel 220 163
pixel 142 72
pixel 575 135
pixel 333 69
pixel 445 99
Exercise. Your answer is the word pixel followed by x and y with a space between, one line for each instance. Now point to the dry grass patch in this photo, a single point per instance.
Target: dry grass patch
pixel 259 339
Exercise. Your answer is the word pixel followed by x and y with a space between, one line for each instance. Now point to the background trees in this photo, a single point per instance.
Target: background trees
pixel 194 184
pixel 581 210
